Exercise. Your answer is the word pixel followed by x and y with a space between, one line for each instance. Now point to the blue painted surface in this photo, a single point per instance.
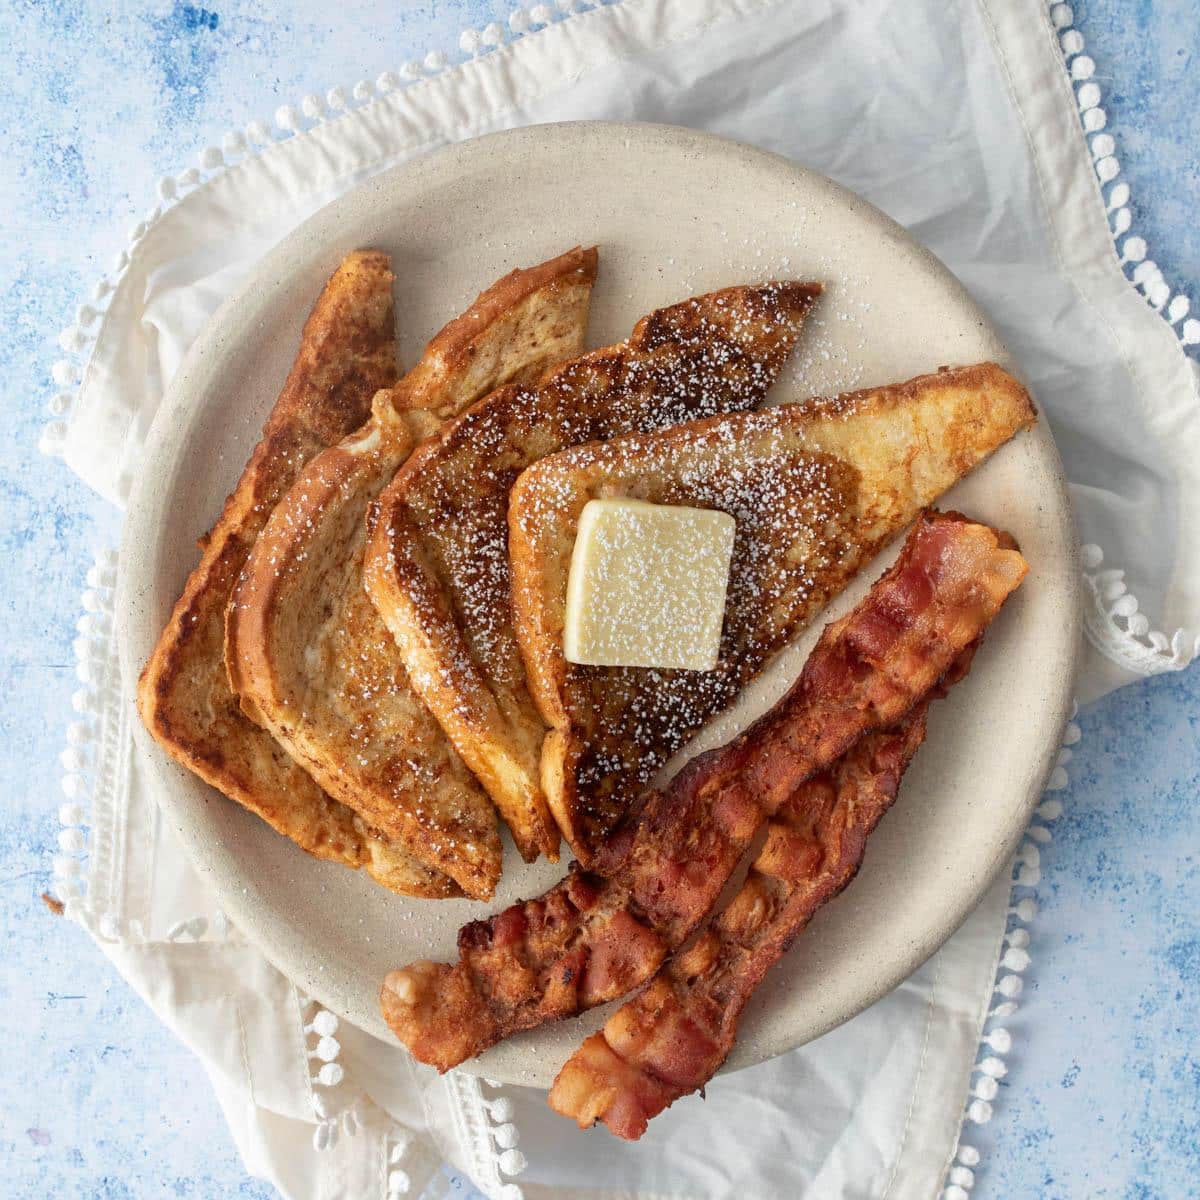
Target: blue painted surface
pixel 1103 1099
pixel 1147 55
pixel 97 1100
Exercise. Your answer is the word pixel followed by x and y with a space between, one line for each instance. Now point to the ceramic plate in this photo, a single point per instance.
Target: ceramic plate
pixel 674 213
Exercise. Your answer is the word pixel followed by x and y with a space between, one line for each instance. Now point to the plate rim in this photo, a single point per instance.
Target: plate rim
pixel 235 315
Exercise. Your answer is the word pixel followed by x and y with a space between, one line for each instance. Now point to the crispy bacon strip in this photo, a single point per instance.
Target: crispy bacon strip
pixel 671 1039
pixel 599 934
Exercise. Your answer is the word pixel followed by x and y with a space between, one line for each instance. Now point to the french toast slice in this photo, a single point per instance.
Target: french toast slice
pixel 437 563
pixel 347 352
pixel 816 488
pixel 306 651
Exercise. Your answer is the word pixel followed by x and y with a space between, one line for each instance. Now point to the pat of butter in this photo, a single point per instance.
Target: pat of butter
pixel 647 585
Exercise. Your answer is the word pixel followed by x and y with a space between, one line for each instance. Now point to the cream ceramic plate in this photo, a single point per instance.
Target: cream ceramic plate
pixel 674 213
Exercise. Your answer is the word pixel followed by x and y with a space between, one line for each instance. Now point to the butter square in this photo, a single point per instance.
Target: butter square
pixel 647 585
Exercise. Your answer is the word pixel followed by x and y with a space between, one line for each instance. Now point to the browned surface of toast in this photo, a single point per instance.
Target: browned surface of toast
pixel 438 559
pixel 816 488
pixel 307 651
pixel 347 352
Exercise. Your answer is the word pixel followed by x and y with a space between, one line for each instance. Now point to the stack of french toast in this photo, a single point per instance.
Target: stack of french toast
pixel 379 651
pixel 370 653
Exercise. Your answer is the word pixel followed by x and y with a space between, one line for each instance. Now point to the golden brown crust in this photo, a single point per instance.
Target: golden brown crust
pixel 418 566
pixel 440 553
pixel 264 579
pixel 817 488
pixel 347 352
pixel 308 652
pixel 456 363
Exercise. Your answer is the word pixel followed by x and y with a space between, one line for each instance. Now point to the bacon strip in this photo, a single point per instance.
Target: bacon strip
pixel 672 1038
pixel 599 934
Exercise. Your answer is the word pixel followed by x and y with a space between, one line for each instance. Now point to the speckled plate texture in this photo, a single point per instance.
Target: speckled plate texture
pixel 674 213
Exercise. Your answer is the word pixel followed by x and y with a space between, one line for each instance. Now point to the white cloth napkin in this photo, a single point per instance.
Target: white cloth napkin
pixel 959 120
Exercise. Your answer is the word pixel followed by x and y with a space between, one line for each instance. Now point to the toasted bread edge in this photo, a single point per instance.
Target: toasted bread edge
pixel 398 582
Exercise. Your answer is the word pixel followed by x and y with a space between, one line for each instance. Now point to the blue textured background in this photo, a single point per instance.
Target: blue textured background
pixel 96 1098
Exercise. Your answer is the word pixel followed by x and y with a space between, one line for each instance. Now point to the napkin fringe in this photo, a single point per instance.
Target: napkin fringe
pixel 1145 274
pixel 398 1183
pixel 81 865
pixel 320 1028
pixel 1112 618
pixel 1114 624
pixel 487 1131
pixel 1013 960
